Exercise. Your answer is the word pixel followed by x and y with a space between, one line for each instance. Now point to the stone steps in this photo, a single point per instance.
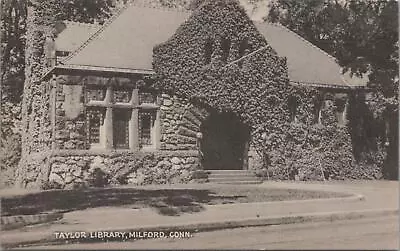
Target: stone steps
pixel 232 177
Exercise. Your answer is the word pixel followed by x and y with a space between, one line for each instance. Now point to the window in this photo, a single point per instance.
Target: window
pixel 147 98
pixel 146 125
pixel 293 106
pixel 340 105
pixel 96 93
pixel 95 122
pixel 61 55
pixel 122 95
pixel 225 46
pixel 317 109
pixel 120 118
pixel 208 50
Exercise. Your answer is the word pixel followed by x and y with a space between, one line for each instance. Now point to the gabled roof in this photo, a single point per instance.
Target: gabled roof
pixel 306 62
pixel 126 42
pixel 73 35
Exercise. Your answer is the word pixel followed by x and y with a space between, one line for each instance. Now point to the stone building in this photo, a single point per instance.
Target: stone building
pixel 104 115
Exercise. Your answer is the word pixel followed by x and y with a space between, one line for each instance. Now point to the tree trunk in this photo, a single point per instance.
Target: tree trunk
pixel 36 126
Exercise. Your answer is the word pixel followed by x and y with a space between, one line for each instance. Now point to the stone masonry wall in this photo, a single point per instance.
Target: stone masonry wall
pixel 73 165
pixel 180 123
pixel 69 117
pixel 179 119
pixel 78 168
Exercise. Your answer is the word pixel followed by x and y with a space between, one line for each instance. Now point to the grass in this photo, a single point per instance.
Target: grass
pixel 166 200
pixel 258 194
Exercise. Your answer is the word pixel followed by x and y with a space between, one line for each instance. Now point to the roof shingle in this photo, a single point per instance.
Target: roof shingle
pixel 127 41
pixel 73 35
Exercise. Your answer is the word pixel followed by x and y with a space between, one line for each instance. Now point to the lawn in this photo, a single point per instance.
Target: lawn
pixel 243 194
pixel 168 200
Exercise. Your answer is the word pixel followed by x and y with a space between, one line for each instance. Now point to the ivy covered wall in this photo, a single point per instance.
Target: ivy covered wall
pixel 72 162
pixel 216 61
pixel 219 60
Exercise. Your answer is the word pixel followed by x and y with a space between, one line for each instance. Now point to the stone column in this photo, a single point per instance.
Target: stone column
pixel 346 105
pixel 134 122
pixel 157 130
pixel 53 109
pixel 108 120
pixel 341 105
pixel 246 153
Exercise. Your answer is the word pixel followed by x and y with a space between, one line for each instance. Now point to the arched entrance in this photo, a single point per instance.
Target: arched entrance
pixel 225 142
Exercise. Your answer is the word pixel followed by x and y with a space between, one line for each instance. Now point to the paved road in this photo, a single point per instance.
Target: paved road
pixel 366 233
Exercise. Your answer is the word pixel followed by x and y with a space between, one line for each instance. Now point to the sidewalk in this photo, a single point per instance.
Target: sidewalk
pixel 370 198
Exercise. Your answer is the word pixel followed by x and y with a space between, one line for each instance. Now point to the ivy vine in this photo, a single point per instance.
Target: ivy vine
pixel 255 87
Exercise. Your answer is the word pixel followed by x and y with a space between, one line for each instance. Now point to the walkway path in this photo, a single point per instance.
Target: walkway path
pixel 372 197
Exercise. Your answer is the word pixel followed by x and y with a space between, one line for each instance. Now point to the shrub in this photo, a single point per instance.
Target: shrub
pixel 98 178
pixel 10 154
pixel 199 174
pixel 51 185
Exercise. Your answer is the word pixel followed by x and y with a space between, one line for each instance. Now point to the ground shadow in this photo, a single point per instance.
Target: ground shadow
pixel 171 202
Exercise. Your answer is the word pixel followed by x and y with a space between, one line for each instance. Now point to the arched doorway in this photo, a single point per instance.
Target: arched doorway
pixel 225 142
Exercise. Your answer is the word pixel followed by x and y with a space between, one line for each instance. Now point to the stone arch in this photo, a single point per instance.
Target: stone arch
pixel 225 142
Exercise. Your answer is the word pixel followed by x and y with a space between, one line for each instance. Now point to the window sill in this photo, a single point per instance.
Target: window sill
pixel 148 149
pixel 112 152
pixel 148 106
pixel 102 149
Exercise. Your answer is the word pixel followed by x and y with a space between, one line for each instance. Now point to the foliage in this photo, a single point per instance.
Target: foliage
pixel 363 36
pixel 255 89
pixel 13 30
pixel 98 178
pixel 13 33
pixel 251 91
pixel 50 185
pixel 13 27
pixel 10 142
pixel 11 117
pixel 24 37
pixel 10 154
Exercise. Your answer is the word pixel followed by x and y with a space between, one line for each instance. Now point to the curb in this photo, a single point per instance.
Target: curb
pixel 350 197
pixel 18 221
pixel 212 226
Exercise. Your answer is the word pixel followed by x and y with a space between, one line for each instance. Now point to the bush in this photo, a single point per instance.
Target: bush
pixel 10 154
pixel 199 174
pixel 98 178
pixel 51 185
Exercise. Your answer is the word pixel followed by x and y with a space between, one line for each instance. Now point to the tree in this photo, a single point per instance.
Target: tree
pixel 19 54
pixel 13 25
pixel 363 37
pixel 13 33
pixel 14 48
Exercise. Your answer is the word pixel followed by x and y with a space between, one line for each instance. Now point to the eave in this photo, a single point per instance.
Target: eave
pixel 329 86
pixel 98 69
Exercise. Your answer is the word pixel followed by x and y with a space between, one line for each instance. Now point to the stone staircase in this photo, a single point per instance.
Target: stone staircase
pixel 232 177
